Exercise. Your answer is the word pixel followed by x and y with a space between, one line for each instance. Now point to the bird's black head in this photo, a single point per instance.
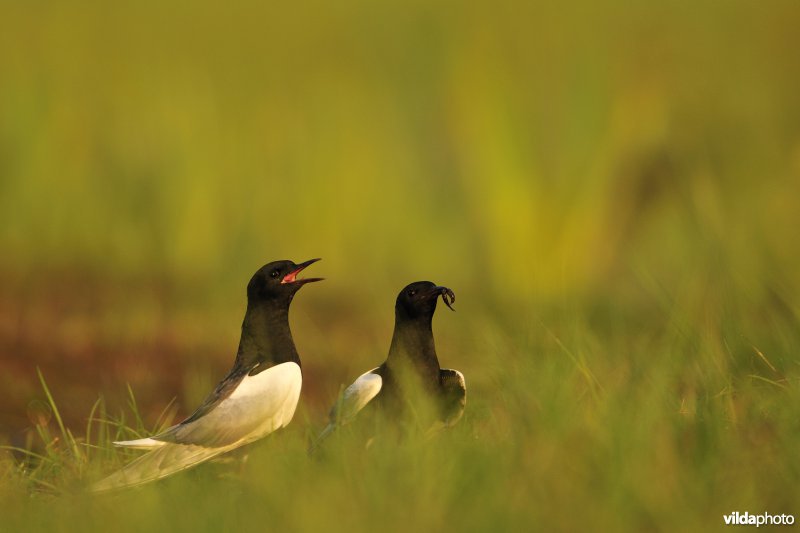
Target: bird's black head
pixel 277 282
pixel 418 300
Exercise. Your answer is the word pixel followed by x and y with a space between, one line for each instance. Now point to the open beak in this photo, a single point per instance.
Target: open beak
pixel 448 296
pixel 291 277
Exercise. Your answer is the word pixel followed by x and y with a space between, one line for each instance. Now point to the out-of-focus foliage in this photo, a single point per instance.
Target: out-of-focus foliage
pixel 544 144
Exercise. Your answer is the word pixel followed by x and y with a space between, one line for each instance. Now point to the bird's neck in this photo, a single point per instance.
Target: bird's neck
pixel 266 337
pixel 412 343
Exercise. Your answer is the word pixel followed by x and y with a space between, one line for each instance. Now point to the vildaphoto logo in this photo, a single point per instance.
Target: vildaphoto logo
pixel 746 519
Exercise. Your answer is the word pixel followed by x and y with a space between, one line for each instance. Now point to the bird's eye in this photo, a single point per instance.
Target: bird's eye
pixel 412 292
pixel 275 273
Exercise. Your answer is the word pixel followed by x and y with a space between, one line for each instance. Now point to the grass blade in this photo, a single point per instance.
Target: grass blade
pixel 66 435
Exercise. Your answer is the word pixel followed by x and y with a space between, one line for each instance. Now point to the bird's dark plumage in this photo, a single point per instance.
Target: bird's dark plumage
pixel 411 370
pixel 258 396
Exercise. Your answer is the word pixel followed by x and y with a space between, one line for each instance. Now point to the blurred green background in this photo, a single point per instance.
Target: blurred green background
pixel 611 189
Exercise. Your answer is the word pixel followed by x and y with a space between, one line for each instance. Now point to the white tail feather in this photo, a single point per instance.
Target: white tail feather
pixel 159 463
pixel 140 444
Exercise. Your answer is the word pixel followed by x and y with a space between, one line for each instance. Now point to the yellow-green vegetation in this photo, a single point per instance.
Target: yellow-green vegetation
pixel 612 190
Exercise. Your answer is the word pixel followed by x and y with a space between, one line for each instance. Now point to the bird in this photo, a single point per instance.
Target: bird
pixel 410 372
pixel 258 396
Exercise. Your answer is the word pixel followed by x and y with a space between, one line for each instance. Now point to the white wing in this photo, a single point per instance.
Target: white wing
pixel 258 406
pixel 455 396
pixel 353 400
pixel 356 396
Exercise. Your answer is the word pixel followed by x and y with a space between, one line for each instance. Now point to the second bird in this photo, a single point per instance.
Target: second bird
pixel 410 381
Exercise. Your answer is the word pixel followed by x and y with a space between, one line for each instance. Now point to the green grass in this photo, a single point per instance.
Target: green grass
pixel 567 427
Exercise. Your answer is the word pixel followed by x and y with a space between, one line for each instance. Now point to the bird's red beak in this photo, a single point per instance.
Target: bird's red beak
pixel 291 277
